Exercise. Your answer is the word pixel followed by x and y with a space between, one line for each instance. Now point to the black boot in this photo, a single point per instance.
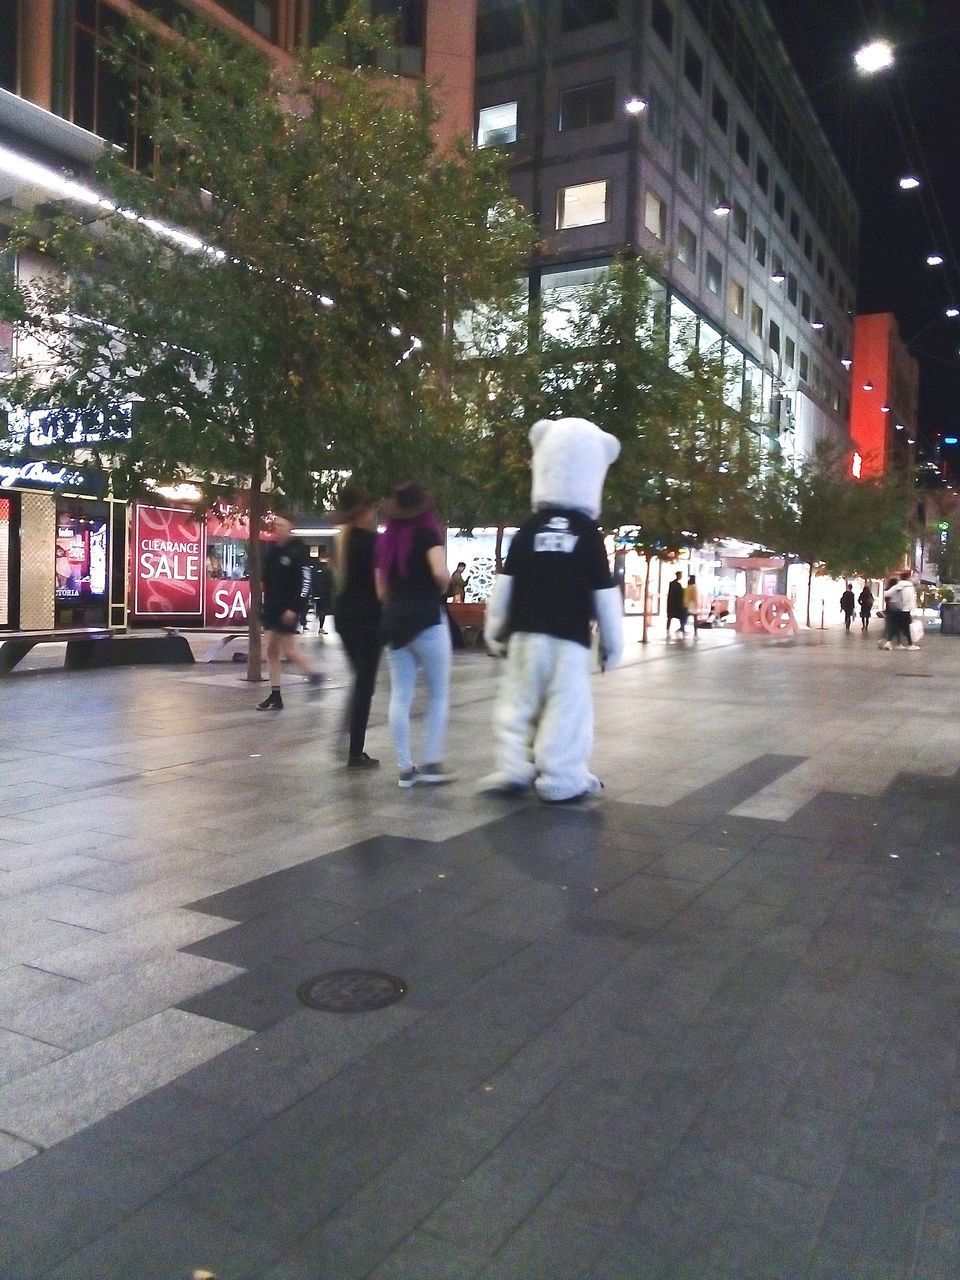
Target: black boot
pixel 273 703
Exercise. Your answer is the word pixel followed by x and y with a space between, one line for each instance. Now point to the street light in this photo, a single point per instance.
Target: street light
pixel 873 57
pixel 778 277
pixel 909 183
pixel 934 260
pixel 635 106
pixel 723 209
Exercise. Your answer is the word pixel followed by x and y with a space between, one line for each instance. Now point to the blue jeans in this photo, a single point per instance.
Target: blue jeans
pixel 430 652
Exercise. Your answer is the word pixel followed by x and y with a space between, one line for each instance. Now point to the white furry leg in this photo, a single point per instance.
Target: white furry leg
pixel 564 736
pixel 516 713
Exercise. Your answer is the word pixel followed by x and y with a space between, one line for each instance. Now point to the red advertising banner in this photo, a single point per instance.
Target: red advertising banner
pixel 168 564
pixel 228 602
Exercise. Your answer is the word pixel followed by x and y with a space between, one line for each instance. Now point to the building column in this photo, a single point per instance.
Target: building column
pixel 36 52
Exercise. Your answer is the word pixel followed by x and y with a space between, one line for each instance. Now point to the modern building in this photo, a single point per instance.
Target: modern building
pixel 679 127
pixel 883 409
pixel 69 554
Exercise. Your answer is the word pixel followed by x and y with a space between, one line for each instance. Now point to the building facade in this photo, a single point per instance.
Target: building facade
pixel 883 412
pixel 678 127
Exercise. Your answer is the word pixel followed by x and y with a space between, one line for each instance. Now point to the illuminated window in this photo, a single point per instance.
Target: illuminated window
pixel 736 297
pixel 583 205
pixel 655 216
pixel 497 126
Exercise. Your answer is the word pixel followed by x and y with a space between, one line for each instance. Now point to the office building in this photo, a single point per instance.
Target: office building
pixel 679 128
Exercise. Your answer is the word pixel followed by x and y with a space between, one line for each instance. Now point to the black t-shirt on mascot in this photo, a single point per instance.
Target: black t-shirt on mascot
pixel 557 560
pixel 286 581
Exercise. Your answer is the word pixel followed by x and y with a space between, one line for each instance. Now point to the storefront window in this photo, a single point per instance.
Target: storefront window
pixel 562 294
pixel 81 561
pixel 683 334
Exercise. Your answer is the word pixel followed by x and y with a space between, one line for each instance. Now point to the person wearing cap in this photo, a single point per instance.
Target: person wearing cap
pixel 357 611
pixel 412 579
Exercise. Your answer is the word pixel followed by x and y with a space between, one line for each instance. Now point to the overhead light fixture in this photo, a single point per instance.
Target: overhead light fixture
pixel 816 324
pixel 950 440
pixel 868 386
pixel 910 440
pixel 934 260
pixel 899 426
pixel 909 183
pixel 846 361
pixel 953 312
pixel 884 408
pixel 778 277
pixel 635 106
pixel 873 57
pixel 722 209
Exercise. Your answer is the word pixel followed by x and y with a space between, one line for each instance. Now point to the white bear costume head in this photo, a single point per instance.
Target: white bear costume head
pixel 570 461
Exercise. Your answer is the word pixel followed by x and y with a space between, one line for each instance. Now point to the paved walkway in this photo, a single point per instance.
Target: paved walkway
pixel 703 1029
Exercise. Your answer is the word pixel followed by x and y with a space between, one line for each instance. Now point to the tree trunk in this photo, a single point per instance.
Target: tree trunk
pixel 254 630
pixel 498 550
pixel 809 591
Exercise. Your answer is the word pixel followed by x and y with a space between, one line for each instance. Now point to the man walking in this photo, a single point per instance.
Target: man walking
pixel 847 604
pixel 675 603
pixel 286 587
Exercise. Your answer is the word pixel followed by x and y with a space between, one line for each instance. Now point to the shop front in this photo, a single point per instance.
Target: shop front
pixel 188 570
pixel 62 548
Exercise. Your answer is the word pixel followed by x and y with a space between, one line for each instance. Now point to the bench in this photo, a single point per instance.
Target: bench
pixel 15 645
pixel 469 618
pixel 92 647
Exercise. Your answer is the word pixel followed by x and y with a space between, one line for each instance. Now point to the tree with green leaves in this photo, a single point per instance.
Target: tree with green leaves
pixel 276 292
pixel 818 512
pixel 688 450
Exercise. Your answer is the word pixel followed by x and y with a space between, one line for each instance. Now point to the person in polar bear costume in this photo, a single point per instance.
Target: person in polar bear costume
pixel 556 580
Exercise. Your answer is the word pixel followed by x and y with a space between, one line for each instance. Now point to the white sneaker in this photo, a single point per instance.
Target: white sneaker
pixel 915 648
pixel 884 644
pixel 409 778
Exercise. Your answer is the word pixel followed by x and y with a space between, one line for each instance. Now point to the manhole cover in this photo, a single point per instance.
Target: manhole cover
pixel 351 990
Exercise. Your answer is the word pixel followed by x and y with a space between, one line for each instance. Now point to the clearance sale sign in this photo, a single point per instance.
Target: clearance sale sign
pixel 168 565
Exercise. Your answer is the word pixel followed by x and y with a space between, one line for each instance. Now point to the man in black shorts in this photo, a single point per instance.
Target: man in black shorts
pixel 287 580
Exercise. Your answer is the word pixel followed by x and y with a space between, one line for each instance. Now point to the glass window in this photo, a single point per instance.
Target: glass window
pixel 660 126
pixel 720 109
pixel 655 216
pixel 760 246
pixel 752 388
pixel 709 341
pixel 9 22
pixel 562 294
pixel 736 297
pixel 804 366
pixel 501 28
pixel 661 19
pixel 693 67
pixel 763 174
pixel 690 158
pixel 497 126
pixel 743 144
pixel 687 246
pixel 732 376
pixel 587 105
pixel 739 221
pixel 779 200
pixel 790 352
pixel 805 305
pixel 577 14
pixel 683 334
pixel 773 336
pixel 756 319
pixel 582 205
pixel 795 225
pixel 715 191
pixel 793 287
pixel 714 275
pixel 808 246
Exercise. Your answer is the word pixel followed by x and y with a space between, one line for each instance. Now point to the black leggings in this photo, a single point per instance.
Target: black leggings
pixel 361 640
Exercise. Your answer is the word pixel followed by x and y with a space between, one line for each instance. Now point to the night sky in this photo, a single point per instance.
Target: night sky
pixel 904 120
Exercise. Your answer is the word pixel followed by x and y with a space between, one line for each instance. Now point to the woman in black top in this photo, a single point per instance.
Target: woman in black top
pixel 412 579
pixel 356 612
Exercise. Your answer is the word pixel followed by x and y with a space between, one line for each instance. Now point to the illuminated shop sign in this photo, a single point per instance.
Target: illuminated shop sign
pixel 51 477
pixel 168 567
pixel 47 428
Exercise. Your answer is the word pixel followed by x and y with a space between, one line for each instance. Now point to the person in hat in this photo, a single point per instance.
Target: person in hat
pixel 412 579
pixel 357 611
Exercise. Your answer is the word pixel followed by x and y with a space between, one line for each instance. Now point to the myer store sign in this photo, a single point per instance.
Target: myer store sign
pixel 50 477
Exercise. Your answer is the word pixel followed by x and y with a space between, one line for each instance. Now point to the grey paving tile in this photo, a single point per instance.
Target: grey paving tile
pixel 98 955
pixel 14 1151
pixel 21 1054
pixel 65 1096
pixel 424 1256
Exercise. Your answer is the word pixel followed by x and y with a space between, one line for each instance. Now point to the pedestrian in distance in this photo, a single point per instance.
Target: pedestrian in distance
pixel 675 603
pixel 286 588
pixel 847 603
pixel 357 612
pixel 457 590
pixel 412 580
pixel 691 605
pixel 908 602
pixel 322 592
pixel 865 601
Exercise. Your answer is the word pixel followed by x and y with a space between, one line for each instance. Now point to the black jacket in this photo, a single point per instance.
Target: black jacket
pixel 286 577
